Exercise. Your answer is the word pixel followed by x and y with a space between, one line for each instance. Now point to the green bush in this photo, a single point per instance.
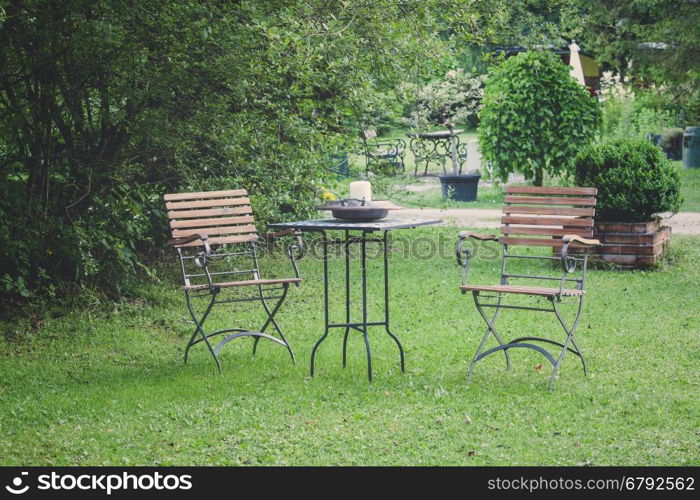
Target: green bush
pixel 104 107
pixel 535 117
pixel 633 177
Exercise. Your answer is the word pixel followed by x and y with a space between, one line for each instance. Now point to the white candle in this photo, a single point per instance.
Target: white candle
pixel 361 189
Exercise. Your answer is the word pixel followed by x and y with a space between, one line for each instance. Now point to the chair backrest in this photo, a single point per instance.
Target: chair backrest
pixel 540 216
pixel 369 134
pixel 225 216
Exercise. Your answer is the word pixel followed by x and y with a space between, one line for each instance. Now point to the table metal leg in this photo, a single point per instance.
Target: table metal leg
pixel 346 248
pixel 386 301
pixel 324 243
pixel 363 259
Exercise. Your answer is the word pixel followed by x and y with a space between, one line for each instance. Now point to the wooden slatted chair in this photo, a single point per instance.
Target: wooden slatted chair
pixel 559 218
pixel 215 237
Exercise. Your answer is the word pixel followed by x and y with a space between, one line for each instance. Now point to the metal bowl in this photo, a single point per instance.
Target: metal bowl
pixel 354 210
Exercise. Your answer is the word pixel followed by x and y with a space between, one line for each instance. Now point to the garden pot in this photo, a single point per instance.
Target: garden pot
pixel 461 187
pixel 691 147
pixel 631 244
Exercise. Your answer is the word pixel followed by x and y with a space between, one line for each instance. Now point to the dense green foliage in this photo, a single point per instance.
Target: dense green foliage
pixel 633 177
pixel 652 43
pixel 534 117
pixel 104 106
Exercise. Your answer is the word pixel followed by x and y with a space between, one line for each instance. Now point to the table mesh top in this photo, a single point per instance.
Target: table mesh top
pixel 388 224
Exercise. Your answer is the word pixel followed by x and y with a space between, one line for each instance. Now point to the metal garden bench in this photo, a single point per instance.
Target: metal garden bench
pixel 559 218
pixel 215 238
pixel 389 152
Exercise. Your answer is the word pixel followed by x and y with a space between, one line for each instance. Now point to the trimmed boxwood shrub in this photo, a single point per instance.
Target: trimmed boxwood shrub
pixel 633 177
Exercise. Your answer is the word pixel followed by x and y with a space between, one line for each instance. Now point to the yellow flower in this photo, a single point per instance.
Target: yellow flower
pixel 327 195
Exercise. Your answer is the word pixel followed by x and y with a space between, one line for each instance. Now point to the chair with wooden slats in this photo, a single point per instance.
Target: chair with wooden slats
pixel 559 218
pixel 215 237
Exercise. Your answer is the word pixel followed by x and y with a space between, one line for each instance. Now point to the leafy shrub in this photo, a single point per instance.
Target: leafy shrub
pixel 633 177
pixel 456 98
pixel 535 117
pixel 116 106
pixel 638 113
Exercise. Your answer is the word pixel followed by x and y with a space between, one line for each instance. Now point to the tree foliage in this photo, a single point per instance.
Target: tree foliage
pixel 104 106
pixel 635 181
pixel 649 42
pixel 534 117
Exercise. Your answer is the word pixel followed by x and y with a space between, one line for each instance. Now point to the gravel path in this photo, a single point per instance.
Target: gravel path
pixel 681 223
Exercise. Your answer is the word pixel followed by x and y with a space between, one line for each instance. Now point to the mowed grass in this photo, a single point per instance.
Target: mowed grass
pixel 108 386
pixel 690 188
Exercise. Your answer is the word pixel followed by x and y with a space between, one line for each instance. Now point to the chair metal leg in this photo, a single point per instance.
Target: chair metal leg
pixel 569 337
pixel 522 342
pixel 240 332
pixel 271 320
pixel 490 329
pixel 200 329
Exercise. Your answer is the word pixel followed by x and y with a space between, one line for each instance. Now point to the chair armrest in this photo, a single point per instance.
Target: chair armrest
pixel 278 234
pixel 188 239
pixel 573 238
pixel 467 253
pixel 477 236
pixel 569 264
pixel 201 257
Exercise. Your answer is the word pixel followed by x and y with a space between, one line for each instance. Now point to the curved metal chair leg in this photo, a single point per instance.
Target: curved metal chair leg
pixel 200 329
pixel 548 341
pixel 523 345
pixel 490 329
pixel 575 350
pixel 257 335
pixel 271 320
pixel 569 338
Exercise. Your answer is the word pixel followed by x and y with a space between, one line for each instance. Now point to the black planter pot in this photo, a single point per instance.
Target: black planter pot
pixel 460 187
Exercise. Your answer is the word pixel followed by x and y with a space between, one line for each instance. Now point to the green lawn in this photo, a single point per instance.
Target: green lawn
pixel 690 188
pixel 106 385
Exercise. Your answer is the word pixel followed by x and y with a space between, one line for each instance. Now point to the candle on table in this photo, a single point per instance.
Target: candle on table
pixel 361 189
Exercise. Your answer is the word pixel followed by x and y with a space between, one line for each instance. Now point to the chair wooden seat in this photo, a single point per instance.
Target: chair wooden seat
pixel 523 290
pixel 230 284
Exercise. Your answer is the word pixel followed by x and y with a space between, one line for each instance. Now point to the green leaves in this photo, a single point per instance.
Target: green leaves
pixel 534 117
pixel 105 106
pixel 635 181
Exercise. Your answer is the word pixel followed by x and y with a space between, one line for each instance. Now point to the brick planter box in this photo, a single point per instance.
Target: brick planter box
pixel 631 244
